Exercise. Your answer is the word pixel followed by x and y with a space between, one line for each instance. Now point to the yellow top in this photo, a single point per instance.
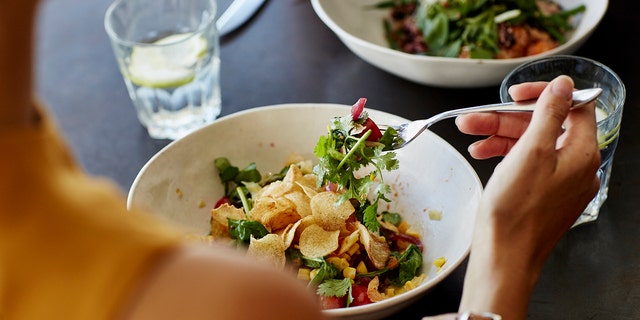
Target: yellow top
pixel 80 230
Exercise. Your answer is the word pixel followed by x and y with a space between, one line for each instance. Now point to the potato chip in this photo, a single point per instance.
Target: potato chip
pixel 290 183
pixel 294 158
pixel 293 174
pixel 315 242
pixel 288 234
pixel 309 180
pixel 328 213
pixel 274 214
pixel 376 247
pixel 275 189
pixel 372 290
pixel 269 249
pixel 220 214
pixel 349 241
pixel 301 202
pixel 310 191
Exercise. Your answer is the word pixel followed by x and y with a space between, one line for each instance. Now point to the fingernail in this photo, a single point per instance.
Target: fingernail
pixel 562 87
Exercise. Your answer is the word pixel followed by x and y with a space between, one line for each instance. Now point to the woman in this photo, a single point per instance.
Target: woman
pixel 70 250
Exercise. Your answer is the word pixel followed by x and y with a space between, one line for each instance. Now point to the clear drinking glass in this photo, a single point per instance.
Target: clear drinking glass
pixel 586 73
pixel 168 54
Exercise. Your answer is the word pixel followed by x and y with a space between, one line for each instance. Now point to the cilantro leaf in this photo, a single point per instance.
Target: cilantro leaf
pixel 369 218
pixel 334 287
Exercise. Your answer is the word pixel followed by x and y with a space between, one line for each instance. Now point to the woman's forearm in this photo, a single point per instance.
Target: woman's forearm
pixel 498 281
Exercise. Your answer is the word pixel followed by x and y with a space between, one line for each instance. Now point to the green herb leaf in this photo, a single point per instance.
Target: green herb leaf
pixel 334 287
pixel 232 178
pixel 326 270
pixel 409 265
pixel 344 151
pixel 370 218
pixel 242 230
pixel 391 217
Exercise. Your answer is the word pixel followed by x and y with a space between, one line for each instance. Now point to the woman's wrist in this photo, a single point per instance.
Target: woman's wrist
pixel 501 275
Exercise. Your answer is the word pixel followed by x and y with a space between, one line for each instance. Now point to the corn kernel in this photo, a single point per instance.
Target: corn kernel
pixel 403 227
pixel 435 215
pixel 340 263
pixel 413 233
pixel 361 268
pixel 354 248
pixel 390 292
pixel 349 272
pixel 409 285
pixel 202 204
pixel 304 274
pixel 439 262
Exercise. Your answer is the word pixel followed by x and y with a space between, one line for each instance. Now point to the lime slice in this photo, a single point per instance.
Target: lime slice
pixel 605 138
pixel 168 64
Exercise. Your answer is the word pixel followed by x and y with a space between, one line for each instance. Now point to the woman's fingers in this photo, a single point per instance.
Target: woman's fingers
pixel 493 146
pixel 551 111
pixel 528 90
pixel 505 124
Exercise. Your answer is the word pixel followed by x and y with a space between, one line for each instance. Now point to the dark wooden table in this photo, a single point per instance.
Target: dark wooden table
pixel 285 54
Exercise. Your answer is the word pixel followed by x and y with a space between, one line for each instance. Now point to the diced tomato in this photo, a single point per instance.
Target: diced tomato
pixel 223 200
pixel 360 296
pixel 332 302
pixel 376 134
pixel 357 108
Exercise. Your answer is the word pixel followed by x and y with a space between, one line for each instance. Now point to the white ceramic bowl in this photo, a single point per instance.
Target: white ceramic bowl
pixel 432 175
pixel 361 30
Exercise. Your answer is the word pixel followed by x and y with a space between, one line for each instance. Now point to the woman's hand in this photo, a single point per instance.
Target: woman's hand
pixel 534 196
pixel 503 129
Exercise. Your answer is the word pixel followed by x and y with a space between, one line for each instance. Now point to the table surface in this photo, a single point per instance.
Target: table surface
pixel 287 55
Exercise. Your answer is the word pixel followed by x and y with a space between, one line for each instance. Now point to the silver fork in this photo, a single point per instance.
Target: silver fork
pixel 410 130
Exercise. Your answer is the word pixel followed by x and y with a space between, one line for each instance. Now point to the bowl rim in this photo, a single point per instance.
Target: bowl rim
pixel 341 33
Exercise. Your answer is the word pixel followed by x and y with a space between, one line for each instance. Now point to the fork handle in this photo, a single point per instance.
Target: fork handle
pixel 580 98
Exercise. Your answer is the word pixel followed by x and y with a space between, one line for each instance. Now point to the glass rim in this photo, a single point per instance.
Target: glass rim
pixel 504 90
pixel 518 68
pixel 114 36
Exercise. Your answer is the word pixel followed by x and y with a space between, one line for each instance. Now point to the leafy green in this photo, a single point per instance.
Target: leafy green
pixel 344 151
pixel 242 230
pixel 410 262
pixel 326 271
pixel 233 178
pixel 336 288
pixel 448 26
pixel 391 217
